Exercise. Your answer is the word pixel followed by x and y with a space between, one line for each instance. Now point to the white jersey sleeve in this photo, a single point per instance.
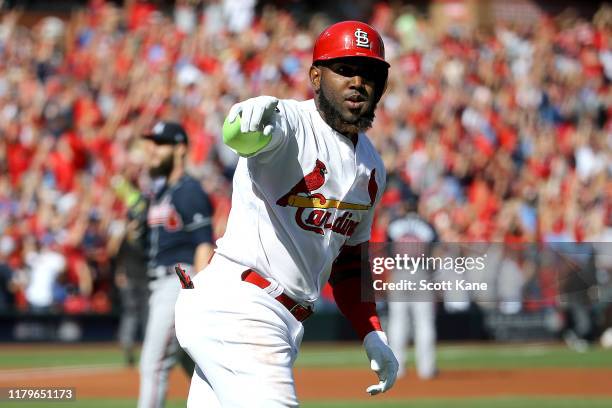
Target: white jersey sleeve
pixel 284 123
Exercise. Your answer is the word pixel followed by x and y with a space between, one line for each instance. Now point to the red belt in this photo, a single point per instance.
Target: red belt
pixel 300 312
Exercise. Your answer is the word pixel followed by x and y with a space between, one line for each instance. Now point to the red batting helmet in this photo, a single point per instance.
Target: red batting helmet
pixel 349 39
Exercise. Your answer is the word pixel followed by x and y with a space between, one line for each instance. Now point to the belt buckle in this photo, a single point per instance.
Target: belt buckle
pixel 300 312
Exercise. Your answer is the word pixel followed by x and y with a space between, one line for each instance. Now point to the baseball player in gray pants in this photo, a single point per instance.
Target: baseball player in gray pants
pixel 179 222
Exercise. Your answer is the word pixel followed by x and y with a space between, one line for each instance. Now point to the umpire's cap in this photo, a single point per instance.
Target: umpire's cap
pixel 167 133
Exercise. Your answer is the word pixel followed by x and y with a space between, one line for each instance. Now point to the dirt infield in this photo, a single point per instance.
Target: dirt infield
pixel 114 382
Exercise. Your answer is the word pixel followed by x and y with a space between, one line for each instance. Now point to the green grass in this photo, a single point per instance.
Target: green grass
pixel 470 357
pixel 504 402
pixel 63 356
pixel 449 356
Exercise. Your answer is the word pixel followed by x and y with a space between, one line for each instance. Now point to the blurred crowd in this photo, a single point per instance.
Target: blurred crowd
pixel 501 134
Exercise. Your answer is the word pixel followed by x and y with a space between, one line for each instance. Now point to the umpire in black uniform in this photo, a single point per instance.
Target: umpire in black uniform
pixel 179 232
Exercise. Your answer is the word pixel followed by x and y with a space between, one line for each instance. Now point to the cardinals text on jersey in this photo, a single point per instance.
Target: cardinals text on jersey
pixel 322 208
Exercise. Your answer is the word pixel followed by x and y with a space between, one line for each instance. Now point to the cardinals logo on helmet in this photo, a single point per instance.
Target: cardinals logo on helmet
pixel 361 38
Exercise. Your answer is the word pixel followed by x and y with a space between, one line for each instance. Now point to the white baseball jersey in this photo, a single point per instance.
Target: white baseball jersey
pixel 300 199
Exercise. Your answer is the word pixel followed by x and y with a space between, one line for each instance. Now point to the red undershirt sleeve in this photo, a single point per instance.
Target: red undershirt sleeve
pixel 348 282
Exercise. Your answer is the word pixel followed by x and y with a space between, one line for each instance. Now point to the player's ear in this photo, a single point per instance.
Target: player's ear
pixel 315 77
pixel 181 149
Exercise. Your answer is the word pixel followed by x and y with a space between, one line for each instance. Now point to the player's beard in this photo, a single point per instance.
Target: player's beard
pixel 164 168
pixel 334 117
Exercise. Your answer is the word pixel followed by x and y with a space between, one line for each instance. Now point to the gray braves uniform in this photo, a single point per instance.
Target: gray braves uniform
pixel 179 219
pixel 416 314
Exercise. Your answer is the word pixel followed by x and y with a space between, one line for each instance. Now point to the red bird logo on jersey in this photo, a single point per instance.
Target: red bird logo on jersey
pixel 317 213
pixel 372 187
pixel 311 182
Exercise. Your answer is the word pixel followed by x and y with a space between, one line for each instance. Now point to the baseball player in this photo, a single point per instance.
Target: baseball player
pixel 304 193
pixel 416 314
pixel 179 223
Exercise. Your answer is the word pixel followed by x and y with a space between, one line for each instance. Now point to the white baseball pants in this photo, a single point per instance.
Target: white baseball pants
pixel 421 316
pixel 243 341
